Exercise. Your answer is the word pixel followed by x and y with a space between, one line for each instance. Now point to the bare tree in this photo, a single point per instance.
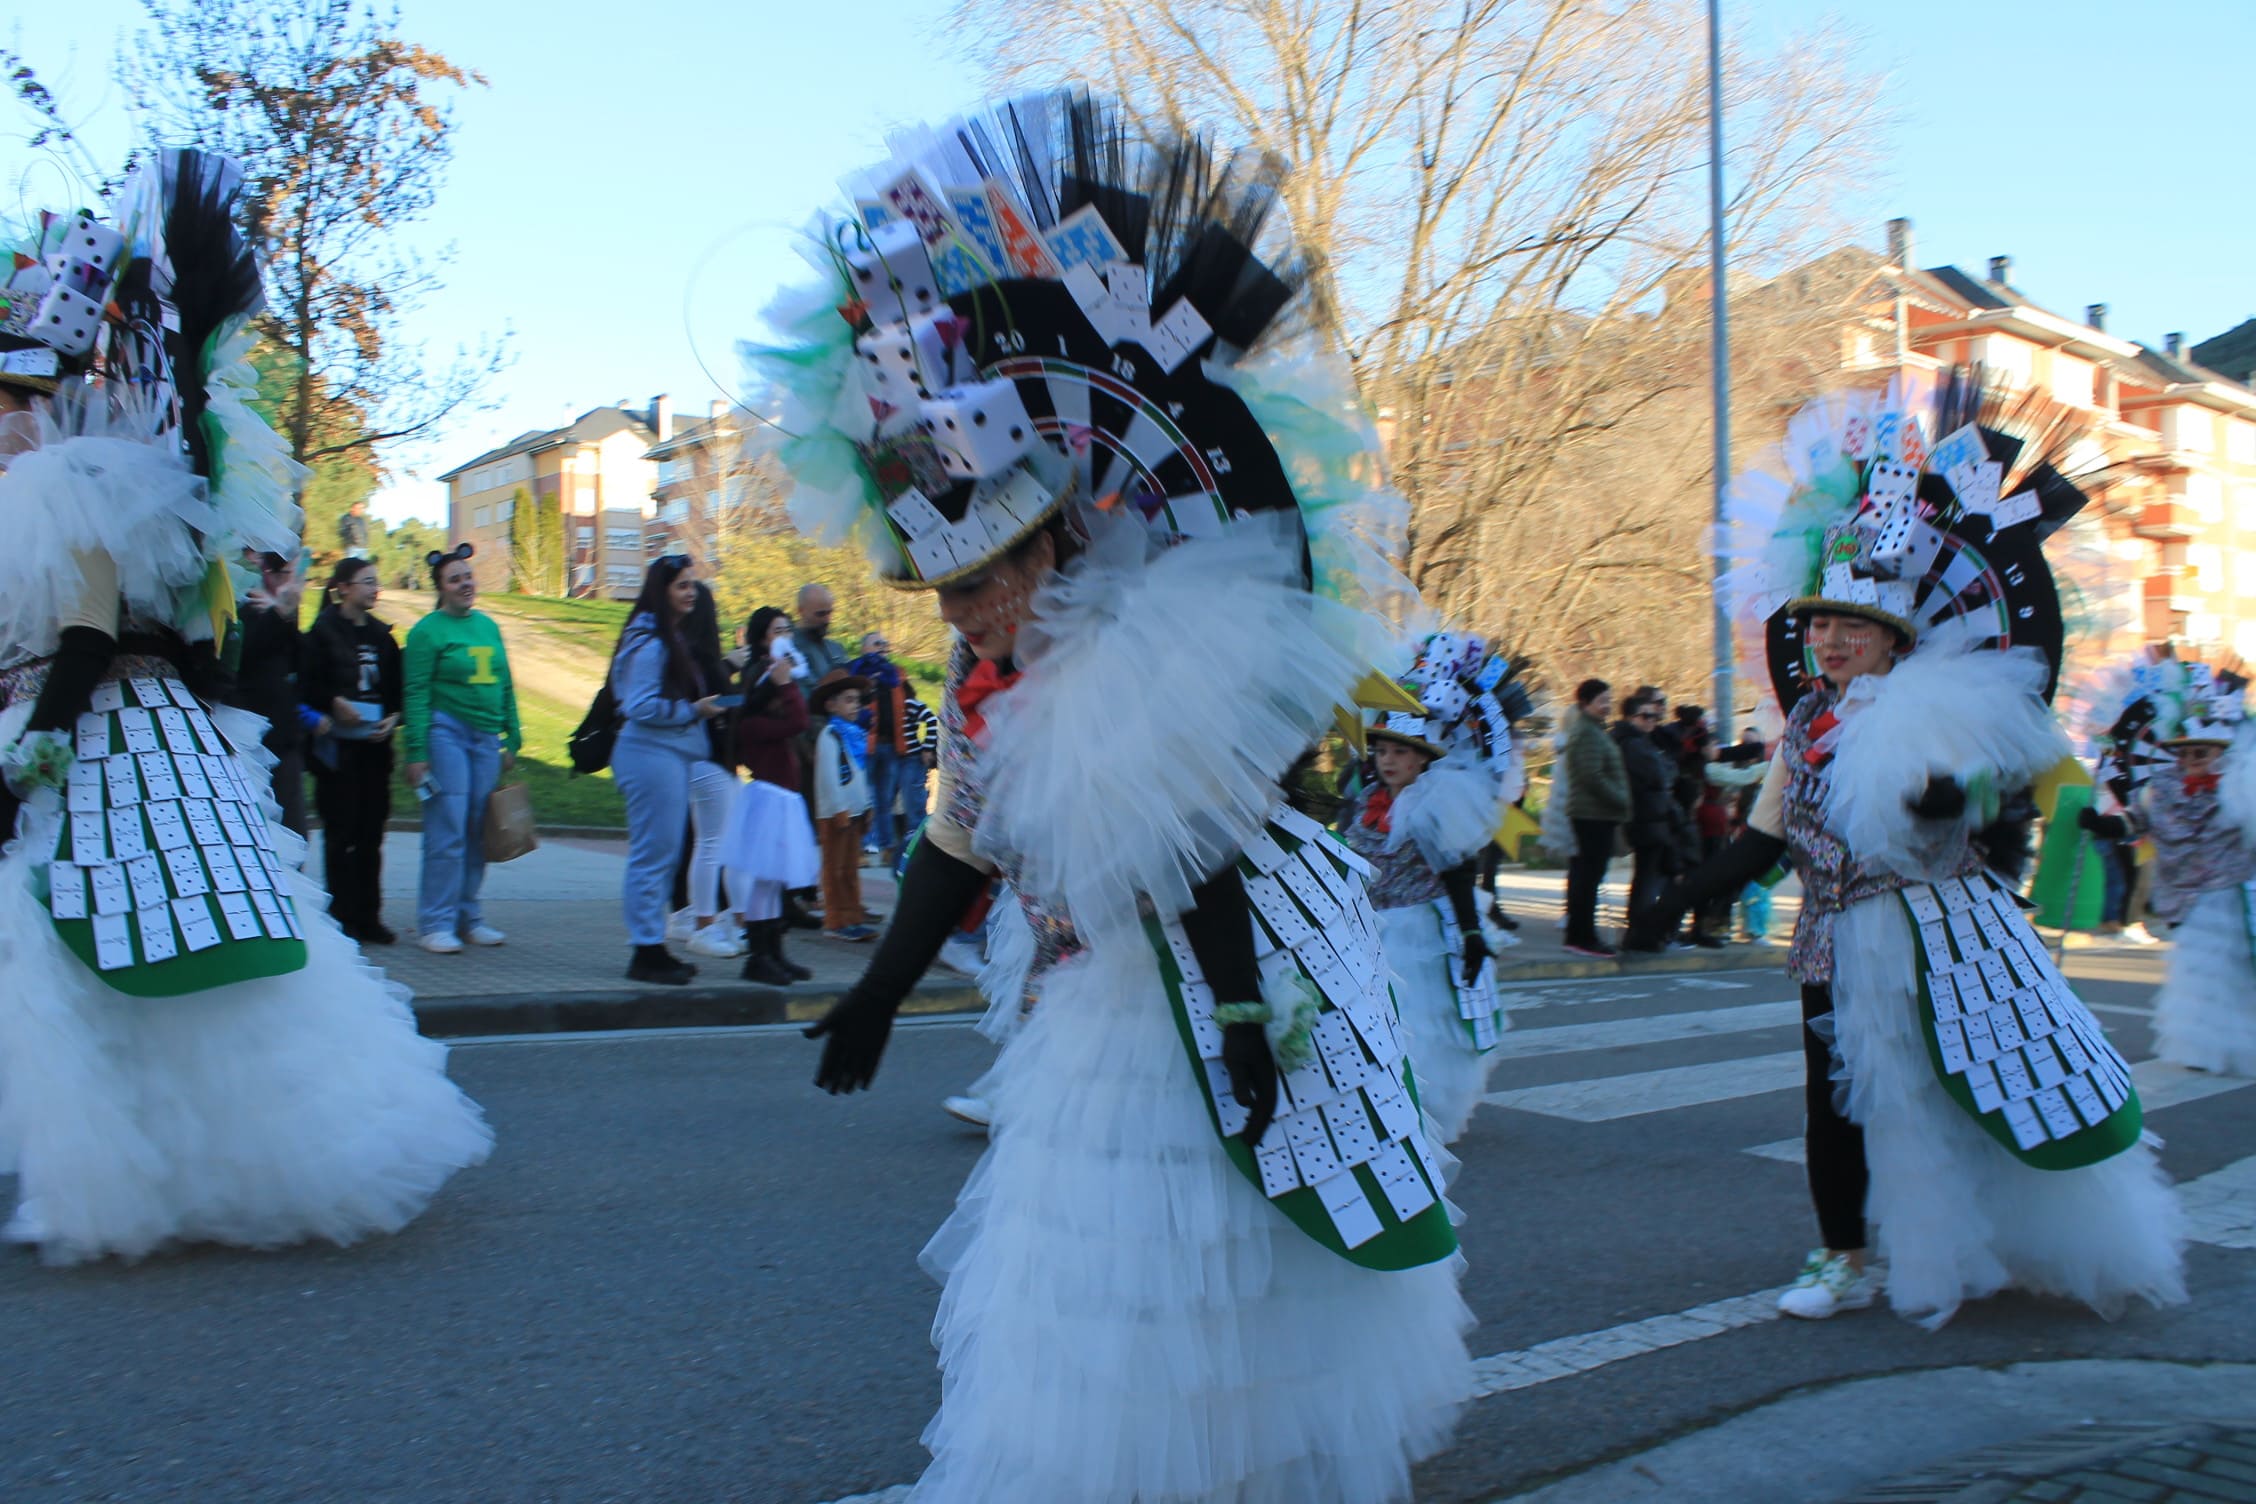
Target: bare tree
pixel 1507 201
pixel 342 128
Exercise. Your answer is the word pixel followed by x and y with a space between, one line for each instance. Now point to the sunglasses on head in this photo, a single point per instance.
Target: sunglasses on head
pixel 675 561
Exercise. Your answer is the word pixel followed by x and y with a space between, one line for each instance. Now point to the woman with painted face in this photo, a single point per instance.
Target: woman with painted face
pixel 663 748
pixel 1422 822
pixel 2199 809
pixel 459 733
pixel 1963 1105
pixel 1165 1281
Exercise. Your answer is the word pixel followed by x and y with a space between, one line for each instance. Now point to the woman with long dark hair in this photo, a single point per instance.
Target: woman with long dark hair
pixel 351 676
pixel 666 702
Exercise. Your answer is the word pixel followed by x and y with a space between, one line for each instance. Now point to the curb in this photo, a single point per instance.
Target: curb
pixel 725 1005
pixel 1734 958
pixel 736 1004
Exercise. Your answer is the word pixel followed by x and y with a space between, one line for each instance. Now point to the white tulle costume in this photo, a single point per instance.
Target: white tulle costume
pixel 190 1051
pixel 2205 887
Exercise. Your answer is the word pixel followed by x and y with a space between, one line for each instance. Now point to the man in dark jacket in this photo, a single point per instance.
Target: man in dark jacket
pixel 1597 803
pixel 266 678
pixel 1656 820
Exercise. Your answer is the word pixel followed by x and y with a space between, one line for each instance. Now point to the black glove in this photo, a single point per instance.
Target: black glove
pixel 82 657
pixel 1253 1076
pixel 1725 873
pixel 936 889
pixel 2113 827
pixel 1476 953
pixel 1942 799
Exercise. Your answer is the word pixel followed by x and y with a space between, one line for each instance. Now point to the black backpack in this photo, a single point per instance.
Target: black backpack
pixel 590 747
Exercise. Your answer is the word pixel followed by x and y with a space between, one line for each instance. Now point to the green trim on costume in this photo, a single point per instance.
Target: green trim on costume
pixel 2065 862
pixel 190 971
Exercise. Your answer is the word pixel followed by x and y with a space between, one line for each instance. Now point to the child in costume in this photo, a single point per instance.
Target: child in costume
pixel 841 783
pixel 1205 1256
pixel 1962 1101
pixel 2199 809
pixel 1421 824
pixel 190 1049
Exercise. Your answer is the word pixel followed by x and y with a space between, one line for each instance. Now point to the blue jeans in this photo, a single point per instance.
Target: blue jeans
pixel 464 766
pixel 892 774
pixel 654 780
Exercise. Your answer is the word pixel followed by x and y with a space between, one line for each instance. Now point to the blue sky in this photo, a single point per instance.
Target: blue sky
pixel 625 192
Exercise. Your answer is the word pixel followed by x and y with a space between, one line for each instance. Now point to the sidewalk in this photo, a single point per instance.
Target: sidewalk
pixel 564 965
pixel 2172 1433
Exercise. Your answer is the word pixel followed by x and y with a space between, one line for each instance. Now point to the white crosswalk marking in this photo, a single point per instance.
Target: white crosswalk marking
pixel 1662 1028
pixel 1602 1099
pixel 1563 1357
pixel 2220 1207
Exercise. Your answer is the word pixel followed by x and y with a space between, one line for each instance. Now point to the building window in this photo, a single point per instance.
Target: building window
pixel 623 576
pixel 2245 504
pixel 2244 566
pixel 2207 561
pixel 2072 380
pixel 482 517
pixel 585 534
pixel 2008 359
pixel 504 510
pixel 622 540
pixel 2205 494
pixel 2188 428
pixel 654 544
pixel 2240 442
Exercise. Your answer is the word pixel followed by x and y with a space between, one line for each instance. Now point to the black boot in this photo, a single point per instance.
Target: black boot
pixel 760 962
pixel 774 942
pixel 795 915
pixel 655 963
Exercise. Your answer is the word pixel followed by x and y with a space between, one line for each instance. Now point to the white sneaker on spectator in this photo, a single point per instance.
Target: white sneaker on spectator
pixel 972 1110
pixel 484 934
pixel 1828 1283
pixel 439 943
pixel 715 939
pixel 2139 934
pixel 681 925
pixel 961 956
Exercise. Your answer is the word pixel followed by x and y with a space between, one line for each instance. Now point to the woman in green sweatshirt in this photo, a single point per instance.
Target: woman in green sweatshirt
pixel 459 734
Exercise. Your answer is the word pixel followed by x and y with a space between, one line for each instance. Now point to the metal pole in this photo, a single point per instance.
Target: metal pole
pixel 1721 359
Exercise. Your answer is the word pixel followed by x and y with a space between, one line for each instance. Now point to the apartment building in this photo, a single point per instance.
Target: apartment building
pixel 596 470
pixel 2175 516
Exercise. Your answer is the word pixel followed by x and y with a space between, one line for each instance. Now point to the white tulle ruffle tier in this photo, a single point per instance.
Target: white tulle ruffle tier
pixel 1451 1074
pixel 2205 1014
pixel 770 838
pixel 1956 1216
pixel 1127 1320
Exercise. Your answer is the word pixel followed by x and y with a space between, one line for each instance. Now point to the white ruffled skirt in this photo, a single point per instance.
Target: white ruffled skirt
pixel 1126 1320
pixel 770 839
pixel 258 1114
pixel 2205 1014
pixel 1956 1216
pixel 1452 1075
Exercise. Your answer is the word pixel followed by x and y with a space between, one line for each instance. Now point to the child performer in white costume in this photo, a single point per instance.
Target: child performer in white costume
pixel 1206 1256
pixel 1962 1101
pixel 1422 825
pixel 190 1049
pixel 2197 803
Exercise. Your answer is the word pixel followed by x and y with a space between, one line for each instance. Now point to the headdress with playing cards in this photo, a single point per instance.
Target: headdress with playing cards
pixel 1449 812
pixel 1037 308
pixel 1921 506
pixel 140 443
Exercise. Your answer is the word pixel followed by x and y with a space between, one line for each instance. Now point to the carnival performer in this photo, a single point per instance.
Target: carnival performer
pixel 1205 1256
pixel 190 1049
pixel 1421 824
pixel 1962 1101
pixel 2199 809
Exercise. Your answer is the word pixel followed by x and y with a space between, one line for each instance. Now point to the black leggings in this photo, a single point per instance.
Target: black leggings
pixel 1594 848
pixel 1833 1147
pixel 355 799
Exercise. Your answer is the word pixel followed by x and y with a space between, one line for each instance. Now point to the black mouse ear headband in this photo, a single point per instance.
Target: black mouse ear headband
pixel 434 559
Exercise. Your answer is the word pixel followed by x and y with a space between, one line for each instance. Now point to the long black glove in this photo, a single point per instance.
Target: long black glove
pixel 1942 799
pixel 82 657
pixel 1457 882
pixel 1729 870
pixel 936 889
pixel 1219 925
pixel 2110 827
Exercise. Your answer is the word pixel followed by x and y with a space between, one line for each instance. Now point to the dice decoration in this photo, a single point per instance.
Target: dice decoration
pixel 56 296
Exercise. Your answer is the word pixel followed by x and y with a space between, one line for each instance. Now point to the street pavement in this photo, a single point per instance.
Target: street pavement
pixel 686 1275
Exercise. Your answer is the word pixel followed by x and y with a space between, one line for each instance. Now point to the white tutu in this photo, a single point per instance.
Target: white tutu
pixel 1958 1217
pixel 770 839
pixel 1127 1319
pixel 259 1114
pixel 2205 1014
pixel 1451 1075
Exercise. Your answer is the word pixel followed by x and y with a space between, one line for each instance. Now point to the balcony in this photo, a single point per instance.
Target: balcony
pixel 2166 520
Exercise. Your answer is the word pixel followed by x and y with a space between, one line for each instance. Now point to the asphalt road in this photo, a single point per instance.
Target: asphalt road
pixel 688 1276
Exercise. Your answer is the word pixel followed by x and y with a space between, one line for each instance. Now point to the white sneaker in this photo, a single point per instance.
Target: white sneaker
pixel 439 943
pixel 714 940
pixel 26 1226
pixel 2139 934
pixel 1828 1283
pixel 961 956
pixel 484 934
pixel 972 1110
pixel 681 925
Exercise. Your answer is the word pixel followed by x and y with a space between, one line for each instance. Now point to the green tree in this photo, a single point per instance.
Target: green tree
pixel 536 545
pixel 400 551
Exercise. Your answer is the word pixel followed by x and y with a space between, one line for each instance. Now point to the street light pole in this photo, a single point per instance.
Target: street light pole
pixel 1721 359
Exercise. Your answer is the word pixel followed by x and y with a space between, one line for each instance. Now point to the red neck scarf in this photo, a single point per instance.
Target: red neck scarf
pixel 1378 809
pixel 2201 783
pixel 985 679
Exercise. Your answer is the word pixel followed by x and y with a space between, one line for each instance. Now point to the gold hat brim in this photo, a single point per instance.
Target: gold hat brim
pixel 1804 605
